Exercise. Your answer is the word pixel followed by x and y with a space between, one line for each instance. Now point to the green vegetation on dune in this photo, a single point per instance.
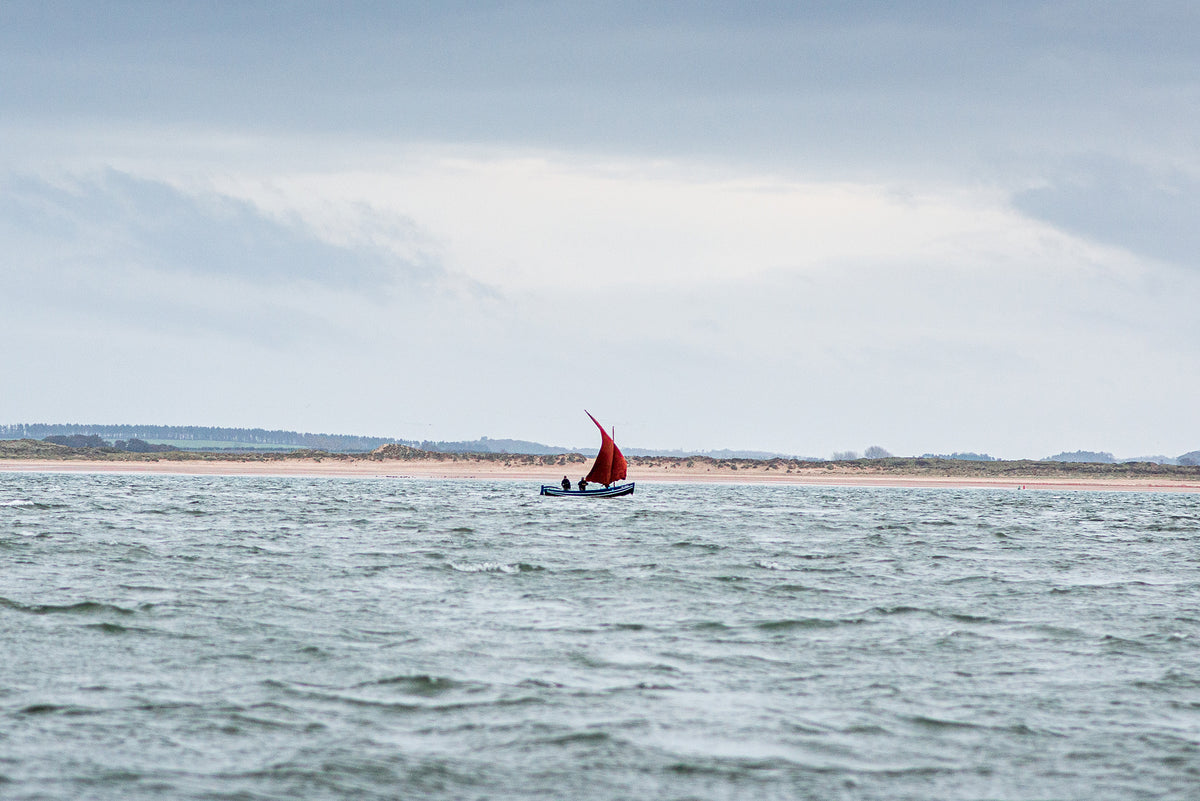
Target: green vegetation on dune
pixel 34 449
pixel 956 468
pixel 219 445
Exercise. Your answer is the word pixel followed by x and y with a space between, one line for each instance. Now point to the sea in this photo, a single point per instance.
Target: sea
pixel 201 637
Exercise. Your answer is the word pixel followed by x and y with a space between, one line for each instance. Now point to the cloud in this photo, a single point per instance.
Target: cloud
pixel 120 220
pixel 858 86
pixel 1151 213
pixel 144 253
pixel 561 223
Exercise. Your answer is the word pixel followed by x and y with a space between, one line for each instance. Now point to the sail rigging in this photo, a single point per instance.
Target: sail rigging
pixel 610 465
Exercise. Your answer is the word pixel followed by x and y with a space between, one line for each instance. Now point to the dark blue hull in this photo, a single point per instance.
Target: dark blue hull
pixel 615 491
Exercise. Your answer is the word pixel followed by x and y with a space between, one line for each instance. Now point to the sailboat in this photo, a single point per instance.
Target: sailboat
pixel 608 469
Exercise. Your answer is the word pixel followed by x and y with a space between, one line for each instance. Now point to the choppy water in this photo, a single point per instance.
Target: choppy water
pixel 259 638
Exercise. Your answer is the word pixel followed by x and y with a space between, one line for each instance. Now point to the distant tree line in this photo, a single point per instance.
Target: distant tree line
pixel 962 457
pixel 133 445
pixel 334 443
pixel 722 453
pixel 78 441
pixel 486 445
pixel 873 452
pixel 1190 459
pixel 1095 457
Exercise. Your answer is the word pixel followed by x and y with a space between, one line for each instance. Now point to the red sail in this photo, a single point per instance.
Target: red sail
pixel 610 462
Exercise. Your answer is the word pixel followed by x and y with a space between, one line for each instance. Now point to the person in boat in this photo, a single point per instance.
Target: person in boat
pixel 582 484
pixel 566 484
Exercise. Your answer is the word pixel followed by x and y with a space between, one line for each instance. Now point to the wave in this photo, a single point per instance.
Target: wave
pixel 1120 644
pixel 1171 681
pixel 1019 729
pixel 108 628
pixel 709 625
pixel 927 722
pixel 897 610
pixel 473 697
pixel 25 503
pixel 803 623
pixel 958 617
pixel 70 710
pixel 704 546
pixel 623 662
pixel 495 567
pixel 81 608
pixel 421 684
pixel 585 738
pixel 1055 632
pixel 788 588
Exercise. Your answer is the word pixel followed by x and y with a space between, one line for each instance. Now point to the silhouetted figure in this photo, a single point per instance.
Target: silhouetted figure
pixel 566 484
pixel 582 484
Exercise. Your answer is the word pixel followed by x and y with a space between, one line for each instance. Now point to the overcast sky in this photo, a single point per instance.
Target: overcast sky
pixel 794 227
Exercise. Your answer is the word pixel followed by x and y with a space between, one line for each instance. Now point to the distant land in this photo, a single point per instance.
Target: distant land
pixel 239 440
pixel 404 461
pixel 159 438
pixel 199 438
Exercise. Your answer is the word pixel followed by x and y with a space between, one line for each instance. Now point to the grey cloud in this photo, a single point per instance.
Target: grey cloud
pixel 861 82
pixel 118 220
pixel 126 253
pixel 1150 214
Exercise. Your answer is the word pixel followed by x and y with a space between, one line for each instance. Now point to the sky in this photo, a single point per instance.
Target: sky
pixel 801 228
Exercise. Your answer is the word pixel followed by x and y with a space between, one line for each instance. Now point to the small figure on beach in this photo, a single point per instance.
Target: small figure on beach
pixel 566 484
pixel 582 484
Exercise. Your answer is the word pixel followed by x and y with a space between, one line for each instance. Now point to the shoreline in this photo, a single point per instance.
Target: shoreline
pixel 480 469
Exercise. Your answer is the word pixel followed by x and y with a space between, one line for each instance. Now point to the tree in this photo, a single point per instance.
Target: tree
pixel 78 441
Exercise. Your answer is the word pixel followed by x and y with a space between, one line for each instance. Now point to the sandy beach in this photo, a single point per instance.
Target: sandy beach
pixel 483 469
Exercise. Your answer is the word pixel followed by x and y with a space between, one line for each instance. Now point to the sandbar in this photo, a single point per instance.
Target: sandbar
pixel 650 472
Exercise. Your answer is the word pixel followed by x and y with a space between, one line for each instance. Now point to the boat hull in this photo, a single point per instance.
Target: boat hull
pixel 604 492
